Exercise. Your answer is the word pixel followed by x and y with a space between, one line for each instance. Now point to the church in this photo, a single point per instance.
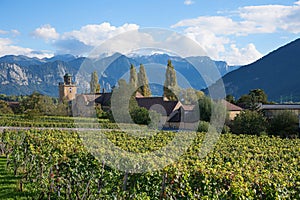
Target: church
pixel 67 89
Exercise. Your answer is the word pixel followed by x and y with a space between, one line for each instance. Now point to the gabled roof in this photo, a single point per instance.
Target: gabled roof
pixel 138 95
pixel 88 97
pixel 103 99
pixel 182 115
pixel 188 107
pixel 231 107
pixel 158 104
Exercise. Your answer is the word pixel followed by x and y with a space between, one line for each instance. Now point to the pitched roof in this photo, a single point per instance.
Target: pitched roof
pixel 188 107
pixel 138 95
pixel 182 115
pixel 104 99
pixel 158 104
pixel 89 97
pixel 231 107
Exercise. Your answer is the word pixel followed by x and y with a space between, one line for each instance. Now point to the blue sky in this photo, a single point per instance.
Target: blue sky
pixel 236 31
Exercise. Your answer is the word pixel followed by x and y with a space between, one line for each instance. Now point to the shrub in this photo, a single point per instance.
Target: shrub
pixel 140 116
pixel 284 124
pixel 4 108
pixel 203 126
pixel 249 122
pixel 154 119
pixel 226 129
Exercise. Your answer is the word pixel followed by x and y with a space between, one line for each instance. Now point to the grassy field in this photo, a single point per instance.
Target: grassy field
pixel 9 184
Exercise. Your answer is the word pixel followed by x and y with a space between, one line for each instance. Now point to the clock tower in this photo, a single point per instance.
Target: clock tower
pixel 67 89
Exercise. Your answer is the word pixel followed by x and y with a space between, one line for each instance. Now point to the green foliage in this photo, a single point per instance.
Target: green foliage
pixel 253 99
pixel 100 113
pixel 190 96
pixel 230 98
pixel 55 165
pixel 171 89
pixel 140 116
pixel 284 124
pixel 10 184
pixel 143 83
pixel 4 108
pixel 123 102
pixel 154 119
pixel 37 105
pixel 5 97
pixel 55 121
pixel 133 79
pixel 249 122
pixel 259 96
pixel 203 126
pixel 226 129
pixel 94 84
pixel 205 108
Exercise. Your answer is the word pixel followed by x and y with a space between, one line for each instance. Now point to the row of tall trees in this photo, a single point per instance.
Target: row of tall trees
pixel 140 81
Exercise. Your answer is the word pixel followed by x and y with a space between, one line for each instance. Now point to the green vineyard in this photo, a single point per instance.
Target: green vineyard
pixel 55 164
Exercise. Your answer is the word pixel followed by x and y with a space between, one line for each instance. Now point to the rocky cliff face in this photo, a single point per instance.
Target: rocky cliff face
pixel 23 80
pixel 13 73
pixel 20 75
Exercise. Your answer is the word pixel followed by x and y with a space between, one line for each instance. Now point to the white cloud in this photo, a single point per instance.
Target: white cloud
pixel 95 34
pixel 2 32
pixel 188 2
pixel 46 32
pixel 272 18
pixel 211 44
pixel 252 19
pixel 213 32
pixel 15 32
pixel 7 48
pixel 241 56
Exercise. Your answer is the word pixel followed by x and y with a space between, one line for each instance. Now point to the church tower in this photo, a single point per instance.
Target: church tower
pixel 67 89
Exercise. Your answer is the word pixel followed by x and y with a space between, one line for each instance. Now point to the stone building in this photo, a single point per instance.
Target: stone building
pixel 67 89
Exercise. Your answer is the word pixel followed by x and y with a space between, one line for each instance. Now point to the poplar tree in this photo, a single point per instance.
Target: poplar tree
pixel 94 84
pixel 170 85
pixel 133 80
pixel 143 83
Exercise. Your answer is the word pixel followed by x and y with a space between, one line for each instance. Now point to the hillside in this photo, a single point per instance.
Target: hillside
pixel 21 75
pixel 277 73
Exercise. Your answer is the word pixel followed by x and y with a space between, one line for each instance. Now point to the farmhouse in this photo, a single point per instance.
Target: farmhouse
pixel 232 110
pixel 161 106
pixel 186 117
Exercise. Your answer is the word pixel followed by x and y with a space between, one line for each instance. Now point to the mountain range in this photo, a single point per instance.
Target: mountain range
pixel 21 75
pixel 277 73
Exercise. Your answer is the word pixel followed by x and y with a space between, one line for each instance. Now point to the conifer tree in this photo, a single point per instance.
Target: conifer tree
pixel 143 83
pixel 133 80
pixel 94 84
pixel 170 86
